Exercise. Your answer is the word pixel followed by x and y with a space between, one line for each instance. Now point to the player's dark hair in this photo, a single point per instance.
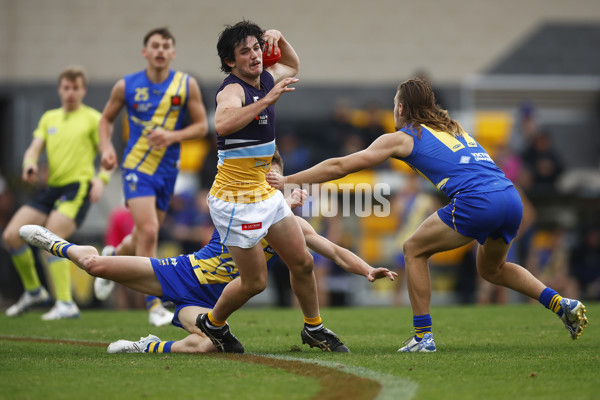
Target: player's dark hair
pixel 232 36
pixel 277 160
pixel 163 31
pixel 420 108
pixel 72 73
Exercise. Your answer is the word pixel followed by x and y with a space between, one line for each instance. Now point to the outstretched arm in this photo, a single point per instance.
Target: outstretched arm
pixel 232 114
pixel 341 256
pixel 396 144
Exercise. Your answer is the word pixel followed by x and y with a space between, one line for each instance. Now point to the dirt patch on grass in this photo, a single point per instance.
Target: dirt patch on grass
pixel 335 383
pixel 57 341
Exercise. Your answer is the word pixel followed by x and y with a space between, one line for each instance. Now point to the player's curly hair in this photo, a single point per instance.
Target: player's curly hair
pixel 232 36
pixel 420 108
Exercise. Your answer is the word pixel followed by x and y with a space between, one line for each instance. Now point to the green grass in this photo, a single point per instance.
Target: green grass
pixel 508 352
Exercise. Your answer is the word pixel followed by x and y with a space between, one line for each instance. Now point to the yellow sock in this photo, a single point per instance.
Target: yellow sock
pixel 24 263
pixel 313 321
pixel 60 270
pixel 215 322
pixel 555 303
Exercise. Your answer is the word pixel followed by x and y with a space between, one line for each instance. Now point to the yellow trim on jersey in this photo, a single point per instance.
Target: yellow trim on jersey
pixel 441 183
pixel 449 141
pixel 142 157
pixel 470 141
pixel 214 270
pixel 243 180
pixel 221 268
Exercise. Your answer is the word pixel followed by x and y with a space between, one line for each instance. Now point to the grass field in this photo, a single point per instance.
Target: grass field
pixel 509 352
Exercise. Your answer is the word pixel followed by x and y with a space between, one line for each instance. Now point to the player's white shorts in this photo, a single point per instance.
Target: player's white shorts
pixel 245 224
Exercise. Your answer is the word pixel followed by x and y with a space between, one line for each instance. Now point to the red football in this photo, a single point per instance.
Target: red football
pixel 272 59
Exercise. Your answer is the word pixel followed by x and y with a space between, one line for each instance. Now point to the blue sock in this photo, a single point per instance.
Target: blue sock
pixel 422 324
pixel 551 300
pixel 151 302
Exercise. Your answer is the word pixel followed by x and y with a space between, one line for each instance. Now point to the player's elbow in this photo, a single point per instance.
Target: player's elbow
pixel 223 128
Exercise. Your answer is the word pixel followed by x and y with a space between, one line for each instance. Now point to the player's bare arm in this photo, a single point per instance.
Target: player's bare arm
pixel 161 138
pixel 341 256
pixel 113 106
pixel 289 64
pixel 232 114
pixel 30 160
pixel 396 144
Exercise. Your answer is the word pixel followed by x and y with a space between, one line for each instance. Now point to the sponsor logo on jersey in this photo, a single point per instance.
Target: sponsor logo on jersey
pixel 175 102
pixel 251 227
pixel 482 157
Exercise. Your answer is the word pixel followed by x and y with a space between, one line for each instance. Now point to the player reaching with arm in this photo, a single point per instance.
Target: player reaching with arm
pixel 484 206
pixel 157 100
pixel 193 282
pixel 69 135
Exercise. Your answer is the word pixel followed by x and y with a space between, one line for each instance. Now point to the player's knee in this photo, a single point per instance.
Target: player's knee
pixel 148 233
pixel 303 265
pixel 489 273
pixel 11 238
pixel 410 249
pixel 254 286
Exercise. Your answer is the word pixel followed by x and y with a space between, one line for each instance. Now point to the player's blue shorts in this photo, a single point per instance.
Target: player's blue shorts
pixel 181 286
pixel 138 184
pixel 482 215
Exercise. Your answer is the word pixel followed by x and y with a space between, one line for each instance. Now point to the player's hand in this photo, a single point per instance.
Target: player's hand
pixel 297 198
pixel 30 173
pixel 271 38
pixel 109 158
pixel 378 273
pixel 276 180
pixel 279 89
pixel 96 189
pixel 159 138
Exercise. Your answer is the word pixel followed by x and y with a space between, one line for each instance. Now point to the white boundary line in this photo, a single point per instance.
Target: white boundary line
pixel 392 387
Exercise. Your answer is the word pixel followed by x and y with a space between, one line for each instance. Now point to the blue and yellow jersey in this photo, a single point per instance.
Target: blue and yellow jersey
pixel 71 140
pixel 214 264
pixel 454 164
pixel 245 156
pixel 149 106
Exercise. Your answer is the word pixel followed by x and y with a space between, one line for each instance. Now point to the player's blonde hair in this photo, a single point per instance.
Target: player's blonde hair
pixel 72 73
pixel 418 100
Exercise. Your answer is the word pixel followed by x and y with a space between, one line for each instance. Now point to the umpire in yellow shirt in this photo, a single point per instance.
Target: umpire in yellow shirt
pixel 70 136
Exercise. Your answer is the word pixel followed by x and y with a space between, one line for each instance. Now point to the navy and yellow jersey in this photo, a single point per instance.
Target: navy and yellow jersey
pixel 214 264
pixel 245 156
pixel 149 106
pixel 454 164
pixel 71 140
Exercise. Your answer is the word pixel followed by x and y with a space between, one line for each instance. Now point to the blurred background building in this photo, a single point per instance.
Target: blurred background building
pixel 523 77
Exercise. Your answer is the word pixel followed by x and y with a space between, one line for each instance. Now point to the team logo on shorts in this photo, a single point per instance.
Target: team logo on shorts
pixel 251 227
pixel 132 180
